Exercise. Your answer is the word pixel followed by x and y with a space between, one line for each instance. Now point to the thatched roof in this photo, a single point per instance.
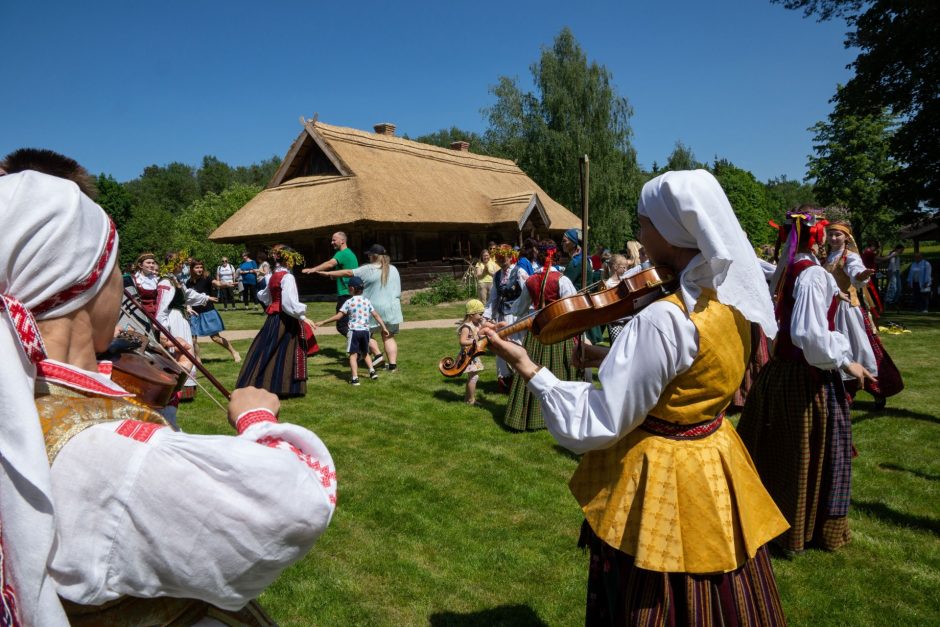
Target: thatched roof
pixel 335 176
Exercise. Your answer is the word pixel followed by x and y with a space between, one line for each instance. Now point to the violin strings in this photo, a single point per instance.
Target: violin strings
pixel 133 322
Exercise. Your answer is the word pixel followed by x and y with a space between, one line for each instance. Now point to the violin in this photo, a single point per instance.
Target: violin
pixel 150 376
pixel 569 316
pixel 179 346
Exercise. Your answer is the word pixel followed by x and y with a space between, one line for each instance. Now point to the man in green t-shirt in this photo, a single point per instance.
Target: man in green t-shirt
pixel 343 259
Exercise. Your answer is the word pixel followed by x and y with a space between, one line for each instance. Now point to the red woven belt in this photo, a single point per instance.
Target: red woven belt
pixel 675 431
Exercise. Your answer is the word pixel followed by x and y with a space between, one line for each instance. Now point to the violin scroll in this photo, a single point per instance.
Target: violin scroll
pixel 454 366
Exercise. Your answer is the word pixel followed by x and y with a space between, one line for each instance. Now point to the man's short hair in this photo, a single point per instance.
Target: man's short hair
pixel 341 235
pixel 51 163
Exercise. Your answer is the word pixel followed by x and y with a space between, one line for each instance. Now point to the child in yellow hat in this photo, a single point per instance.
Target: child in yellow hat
pixel 468 331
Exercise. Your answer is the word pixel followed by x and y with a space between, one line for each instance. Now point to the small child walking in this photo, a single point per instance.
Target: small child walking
pixel 468 331
pixel 357 310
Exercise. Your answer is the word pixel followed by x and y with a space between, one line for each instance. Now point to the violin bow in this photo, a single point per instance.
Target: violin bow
pixel 179 346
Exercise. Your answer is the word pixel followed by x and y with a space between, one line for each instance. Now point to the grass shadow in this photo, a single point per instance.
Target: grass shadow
pixel 504 615
pixel 450 396
pixel 916 473
pixel 869 412
pixel 330 353
pixel 894 517
pixel 561 450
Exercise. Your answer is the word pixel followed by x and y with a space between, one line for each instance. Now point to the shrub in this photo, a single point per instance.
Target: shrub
pixel 443 289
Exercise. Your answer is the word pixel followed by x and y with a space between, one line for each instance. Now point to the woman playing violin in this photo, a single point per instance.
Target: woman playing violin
pixel 665 484
pixel 542 288
pixel 100 502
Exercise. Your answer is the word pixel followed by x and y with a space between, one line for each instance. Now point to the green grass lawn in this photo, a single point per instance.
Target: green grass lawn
pixel 445 518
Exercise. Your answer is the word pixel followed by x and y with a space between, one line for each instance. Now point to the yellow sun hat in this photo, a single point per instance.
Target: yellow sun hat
pixel 474 306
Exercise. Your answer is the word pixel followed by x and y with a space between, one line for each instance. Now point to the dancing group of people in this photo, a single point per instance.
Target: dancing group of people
pixel 679 506
pixel 277 358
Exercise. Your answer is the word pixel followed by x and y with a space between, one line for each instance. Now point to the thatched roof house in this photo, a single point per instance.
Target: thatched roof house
pixel 421 202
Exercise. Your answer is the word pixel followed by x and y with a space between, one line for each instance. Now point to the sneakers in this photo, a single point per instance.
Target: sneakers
pixel 378 359
pixel 354 381
pixel 373 374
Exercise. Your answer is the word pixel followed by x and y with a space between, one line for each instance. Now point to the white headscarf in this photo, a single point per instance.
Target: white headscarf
pixel 57 249
pixel 690 210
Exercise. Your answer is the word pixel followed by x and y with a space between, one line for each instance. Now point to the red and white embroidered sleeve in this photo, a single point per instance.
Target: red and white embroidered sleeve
pixel 253 417
pixel 324 472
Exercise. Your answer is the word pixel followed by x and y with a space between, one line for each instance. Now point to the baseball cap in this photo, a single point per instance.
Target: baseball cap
pixel 355 282
pixel 376 249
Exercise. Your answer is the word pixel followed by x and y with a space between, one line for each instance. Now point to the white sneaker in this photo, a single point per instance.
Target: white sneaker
pixel 378 359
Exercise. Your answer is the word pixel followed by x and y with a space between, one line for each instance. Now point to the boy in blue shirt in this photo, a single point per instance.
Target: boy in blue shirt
pixel 357 311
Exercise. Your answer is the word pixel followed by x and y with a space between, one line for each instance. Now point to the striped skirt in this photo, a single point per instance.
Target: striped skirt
pixel 523 412
pixel 796 427
pixel 619 593
pixel 277 359
pixel 889 377
pixel 760 355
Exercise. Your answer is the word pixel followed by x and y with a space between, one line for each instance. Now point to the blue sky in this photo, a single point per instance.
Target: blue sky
pixel 122 85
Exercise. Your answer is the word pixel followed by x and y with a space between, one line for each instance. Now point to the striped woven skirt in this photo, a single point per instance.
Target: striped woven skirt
pixel 889 377
pixel 796 427
pixel 619 593
pixel 760 355
pixel 277 359
pixel 523 412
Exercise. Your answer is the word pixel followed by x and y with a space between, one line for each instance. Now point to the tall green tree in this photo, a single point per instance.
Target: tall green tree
pixel 748 199
pixel 784 194
pixel 898 70
pixel 573 111
pixel 682 158
pixel 214 175
pixel 257 173
pixel 169 187
pixel 114 199
pixel 852 167
pixel 149 229
pixel 192 226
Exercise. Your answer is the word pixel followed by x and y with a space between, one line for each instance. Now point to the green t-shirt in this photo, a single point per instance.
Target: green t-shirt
pixel 345 260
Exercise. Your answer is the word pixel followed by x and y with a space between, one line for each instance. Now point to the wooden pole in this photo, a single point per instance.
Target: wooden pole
pixel 585 180
pixel 585 260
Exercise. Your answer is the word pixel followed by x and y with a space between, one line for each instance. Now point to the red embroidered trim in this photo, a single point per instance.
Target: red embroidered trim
pixel 327 476
pixel 105 368
pixel 27 332
pixel 682 432
pixel 253 417
pixel 66 376
pixel 71 292
pixel 137 430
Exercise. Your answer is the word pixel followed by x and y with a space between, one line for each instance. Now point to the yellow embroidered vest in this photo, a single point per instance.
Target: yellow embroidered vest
pixel 837 270
pixel 64 413
pixel 685 505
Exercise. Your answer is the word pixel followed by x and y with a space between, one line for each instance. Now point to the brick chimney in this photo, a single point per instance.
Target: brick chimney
pixel 462 146
pixel 385 128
